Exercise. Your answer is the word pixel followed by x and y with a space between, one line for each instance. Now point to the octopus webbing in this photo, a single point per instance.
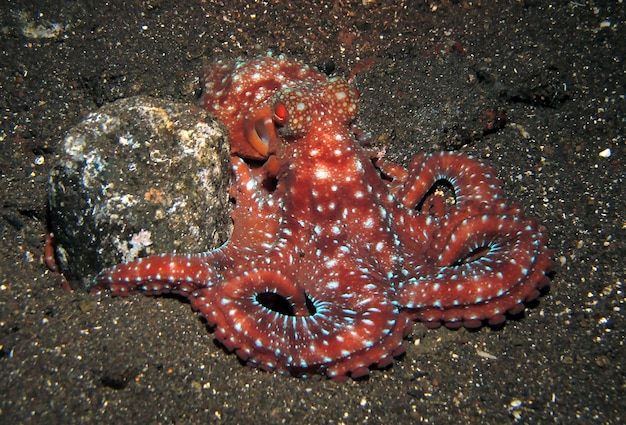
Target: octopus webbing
pixel 335 251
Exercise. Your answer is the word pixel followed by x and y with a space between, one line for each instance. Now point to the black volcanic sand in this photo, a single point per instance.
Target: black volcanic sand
pixel 535 88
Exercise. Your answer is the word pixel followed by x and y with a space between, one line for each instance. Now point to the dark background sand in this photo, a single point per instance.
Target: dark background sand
pixel 432 69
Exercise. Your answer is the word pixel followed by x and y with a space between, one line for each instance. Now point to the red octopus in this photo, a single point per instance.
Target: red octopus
pixel 335 251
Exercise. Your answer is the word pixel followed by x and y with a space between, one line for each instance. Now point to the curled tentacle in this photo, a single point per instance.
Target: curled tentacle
pixel 484 261
pixel 470 179
pixel 271 322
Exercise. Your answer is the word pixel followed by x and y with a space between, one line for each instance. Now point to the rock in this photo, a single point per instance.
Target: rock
pixel 140 176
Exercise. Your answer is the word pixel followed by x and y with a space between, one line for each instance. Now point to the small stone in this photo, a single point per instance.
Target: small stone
pixel 603 361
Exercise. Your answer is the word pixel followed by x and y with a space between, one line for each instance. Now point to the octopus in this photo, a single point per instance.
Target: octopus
pixel 335 251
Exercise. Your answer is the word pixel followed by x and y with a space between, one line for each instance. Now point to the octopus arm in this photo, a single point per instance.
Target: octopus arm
pixel 470 179
pixel 177 274
pixel 481 265
pixel 273 323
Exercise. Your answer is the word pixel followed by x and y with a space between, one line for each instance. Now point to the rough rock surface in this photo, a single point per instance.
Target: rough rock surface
pixel 139 176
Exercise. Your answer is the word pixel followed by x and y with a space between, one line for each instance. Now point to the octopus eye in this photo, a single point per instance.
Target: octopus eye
pixel 280 114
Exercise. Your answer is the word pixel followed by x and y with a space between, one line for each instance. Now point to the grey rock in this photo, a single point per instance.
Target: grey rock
pixel 140 176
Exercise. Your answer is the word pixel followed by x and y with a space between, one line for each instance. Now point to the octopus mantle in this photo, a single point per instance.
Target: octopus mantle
pixel 335 251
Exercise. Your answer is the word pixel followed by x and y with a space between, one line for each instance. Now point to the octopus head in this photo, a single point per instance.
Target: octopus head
pixel 297 109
